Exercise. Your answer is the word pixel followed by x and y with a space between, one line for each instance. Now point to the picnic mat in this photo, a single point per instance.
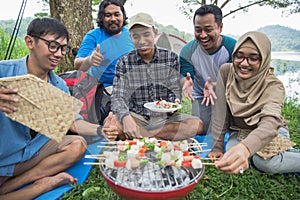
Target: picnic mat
pixel 42 107
pixel 78 170
pixel 209 140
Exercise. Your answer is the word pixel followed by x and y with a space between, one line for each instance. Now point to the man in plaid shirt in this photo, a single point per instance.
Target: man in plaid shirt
pixel 148 74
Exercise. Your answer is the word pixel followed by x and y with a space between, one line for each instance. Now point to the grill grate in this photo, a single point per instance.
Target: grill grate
pixel 153 177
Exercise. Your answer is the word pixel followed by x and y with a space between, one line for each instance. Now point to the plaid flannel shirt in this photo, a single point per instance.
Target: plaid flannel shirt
pixel 136 82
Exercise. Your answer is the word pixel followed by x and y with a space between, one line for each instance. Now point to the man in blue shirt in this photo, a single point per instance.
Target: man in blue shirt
pixel 201 59
pixel 102 47
pixel 25 155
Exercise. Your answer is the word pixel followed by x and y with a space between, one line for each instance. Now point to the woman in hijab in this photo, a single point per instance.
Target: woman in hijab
pixel 249 103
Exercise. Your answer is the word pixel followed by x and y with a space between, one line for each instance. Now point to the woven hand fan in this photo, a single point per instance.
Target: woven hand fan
pixel 42 107
pixel 277 145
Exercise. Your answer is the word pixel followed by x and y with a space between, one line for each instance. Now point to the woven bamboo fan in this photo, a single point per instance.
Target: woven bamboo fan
pixel 277 145
pixel 42 107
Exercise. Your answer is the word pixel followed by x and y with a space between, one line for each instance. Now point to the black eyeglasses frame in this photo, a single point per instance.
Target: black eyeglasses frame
pixel 58 46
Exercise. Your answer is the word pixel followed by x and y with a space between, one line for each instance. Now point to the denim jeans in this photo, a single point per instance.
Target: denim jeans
pixel 284 162
pixel 204 113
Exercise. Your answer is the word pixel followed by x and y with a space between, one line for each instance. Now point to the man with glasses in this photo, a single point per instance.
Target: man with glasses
pixel 25 155
pixel 54 46
pixel 201 59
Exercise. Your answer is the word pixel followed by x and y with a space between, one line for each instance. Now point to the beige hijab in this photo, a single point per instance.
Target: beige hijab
pixel 261 95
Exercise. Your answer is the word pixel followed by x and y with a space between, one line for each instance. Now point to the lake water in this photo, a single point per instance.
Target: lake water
pixel 290 79
pixel 292 56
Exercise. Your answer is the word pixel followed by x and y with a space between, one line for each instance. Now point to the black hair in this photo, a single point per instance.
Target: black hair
pixel 210 9
pixel 47 25
pixel 101 13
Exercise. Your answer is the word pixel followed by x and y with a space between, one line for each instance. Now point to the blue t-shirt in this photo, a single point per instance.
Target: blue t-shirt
pixel 111 47
pixel 16 144
pixel 201 65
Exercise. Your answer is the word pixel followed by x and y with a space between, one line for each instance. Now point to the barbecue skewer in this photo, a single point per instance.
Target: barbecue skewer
pixel 190 144
pixel 105 146
pixel 197 144
pixel 200 151
pixel 102 156
pixel 93 163
pixel 100 163
pixel 95 156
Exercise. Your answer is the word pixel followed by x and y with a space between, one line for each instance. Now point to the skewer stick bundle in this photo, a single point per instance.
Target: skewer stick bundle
pixel 100 163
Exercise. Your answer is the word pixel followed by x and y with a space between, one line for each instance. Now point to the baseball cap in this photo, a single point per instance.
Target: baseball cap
pixel 142 19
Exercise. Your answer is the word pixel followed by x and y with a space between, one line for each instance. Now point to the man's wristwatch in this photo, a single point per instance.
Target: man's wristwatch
pixel 99 131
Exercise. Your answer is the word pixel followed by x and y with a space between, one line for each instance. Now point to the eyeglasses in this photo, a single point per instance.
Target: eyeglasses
pixel 54 46
pixel 252 60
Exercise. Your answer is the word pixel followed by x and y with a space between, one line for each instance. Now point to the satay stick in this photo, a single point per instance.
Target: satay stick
pixel 111 147
pixel 206 150
pixel 208 163
pixel 112 142
pixel 99 163
pixel 95 156
pixel 209 158
pixel 98 158
pixel 93 163
pixel 197 144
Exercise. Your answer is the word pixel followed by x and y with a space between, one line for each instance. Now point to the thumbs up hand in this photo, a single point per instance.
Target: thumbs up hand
pixel 108 120
pixel 111 128
pixel 96 58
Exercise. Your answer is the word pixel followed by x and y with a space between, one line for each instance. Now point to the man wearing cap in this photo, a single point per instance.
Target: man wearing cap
pixel 147 74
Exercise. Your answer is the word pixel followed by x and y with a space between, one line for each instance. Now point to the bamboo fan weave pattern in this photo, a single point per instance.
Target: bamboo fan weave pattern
pixel 277 145
pixel 42 107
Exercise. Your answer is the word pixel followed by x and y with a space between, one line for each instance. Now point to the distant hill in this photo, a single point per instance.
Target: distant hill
pixel 282 38
pixel 170 29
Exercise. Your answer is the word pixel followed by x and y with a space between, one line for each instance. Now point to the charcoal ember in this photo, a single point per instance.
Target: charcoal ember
pixel 168 172
pixel 151 178
pixel 176 176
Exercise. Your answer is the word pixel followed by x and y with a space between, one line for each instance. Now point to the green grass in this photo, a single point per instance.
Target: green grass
pixel 215 184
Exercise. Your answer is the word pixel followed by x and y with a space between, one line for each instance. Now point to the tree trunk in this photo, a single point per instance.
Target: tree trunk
pixel 77 17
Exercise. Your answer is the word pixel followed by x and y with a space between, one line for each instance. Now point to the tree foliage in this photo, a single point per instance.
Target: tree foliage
pixel 77 14
pixel 230 7
pixel 18 52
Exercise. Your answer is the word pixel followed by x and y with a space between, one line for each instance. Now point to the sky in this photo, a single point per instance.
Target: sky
pixel 167 12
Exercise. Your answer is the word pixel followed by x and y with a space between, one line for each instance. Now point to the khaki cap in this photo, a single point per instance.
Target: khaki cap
pixel 142 19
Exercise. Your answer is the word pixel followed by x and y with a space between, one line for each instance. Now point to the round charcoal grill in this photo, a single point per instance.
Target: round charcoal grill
pixel 152 181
